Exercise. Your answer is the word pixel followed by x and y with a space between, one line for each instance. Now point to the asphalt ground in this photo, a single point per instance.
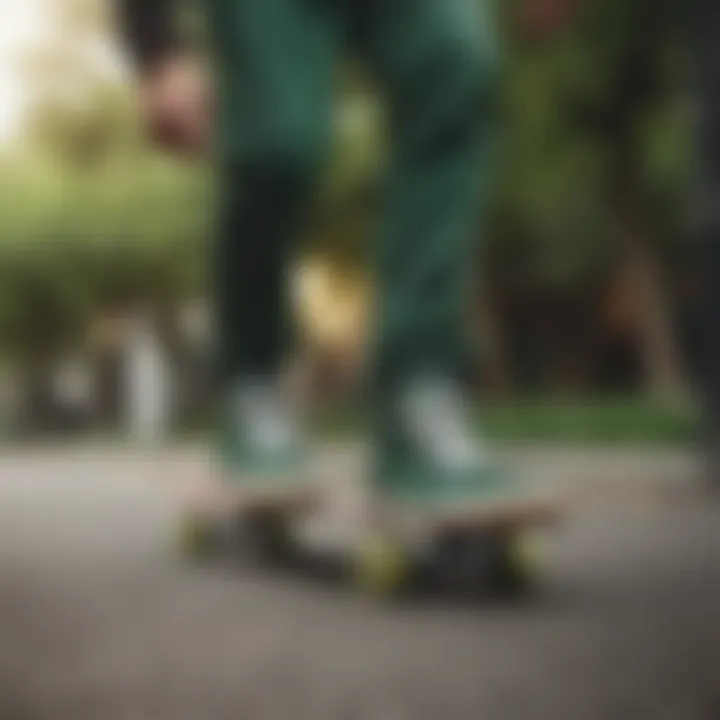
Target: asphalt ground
pixel 100 620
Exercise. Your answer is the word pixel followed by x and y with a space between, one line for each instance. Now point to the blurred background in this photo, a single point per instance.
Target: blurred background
pixel 587 304
pixel 588 307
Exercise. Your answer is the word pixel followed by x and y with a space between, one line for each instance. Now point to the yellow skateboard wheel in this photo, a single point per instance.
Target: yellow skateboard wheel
pixel 196 535
pixel 523 560
pixel 382 567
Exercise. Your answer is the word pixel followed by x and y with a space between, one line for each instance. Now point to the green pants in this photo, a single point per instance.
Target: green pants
pixel 276 66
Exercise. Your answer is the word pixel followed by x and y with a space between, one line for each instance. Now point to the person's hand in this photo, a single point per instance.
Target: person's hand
pixel 176 105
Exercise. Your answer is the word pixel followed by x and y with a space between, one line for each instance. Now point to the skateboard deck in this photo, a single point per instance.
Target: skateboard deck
pixel 492 515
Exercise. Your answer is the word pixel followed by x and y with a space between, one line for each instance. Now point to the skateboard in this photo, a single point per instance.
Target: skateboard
pixel 481 551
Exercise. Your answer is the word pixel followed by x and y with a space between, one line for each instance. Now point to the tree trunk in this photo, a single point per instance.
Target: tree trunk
pixel 495 355
pixel 664 378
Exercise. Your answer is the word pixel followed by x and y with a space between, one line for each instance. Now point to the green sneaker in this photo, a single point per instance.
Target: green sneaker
pixel 263 453
pixel 442 469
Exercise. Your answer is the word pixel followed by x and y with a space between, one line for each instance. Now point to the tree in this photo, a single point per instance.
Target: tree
pixel 593 158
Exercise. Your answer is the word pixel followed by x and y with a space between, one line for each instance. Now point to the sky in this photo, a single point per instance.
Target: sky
pixel 24 22
pixel 27 24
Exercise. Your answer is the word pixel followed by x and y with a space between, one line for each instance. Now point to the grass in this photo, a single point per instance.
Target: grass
pixel 601 421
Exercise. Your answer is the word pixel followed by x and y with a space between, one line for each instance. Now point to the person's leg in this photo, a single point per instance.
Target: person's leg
pixel 274 61
pixel 436 61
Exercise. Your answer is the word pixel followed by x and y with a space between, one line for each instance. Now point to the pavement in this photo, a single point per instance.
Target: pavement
pixel 100 621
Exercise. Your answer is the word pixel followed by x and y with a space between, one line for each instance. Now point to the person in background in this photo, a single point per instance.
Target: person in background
pixel 270 110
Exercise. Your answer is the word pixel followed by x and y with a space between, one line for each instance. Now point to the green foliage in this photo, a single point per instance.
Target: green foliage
pixel 568 107
pixel 77 245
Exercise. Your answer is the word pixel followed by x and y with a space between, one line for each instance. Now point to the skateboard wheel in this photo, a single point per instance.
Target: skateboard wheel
pixel 515 569
pixel 382 567
pixel 197 537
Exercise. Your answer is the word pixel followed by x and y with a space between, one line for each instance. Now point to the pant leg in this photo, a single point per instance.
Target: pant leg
pixel 274 70
pixel 435 60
